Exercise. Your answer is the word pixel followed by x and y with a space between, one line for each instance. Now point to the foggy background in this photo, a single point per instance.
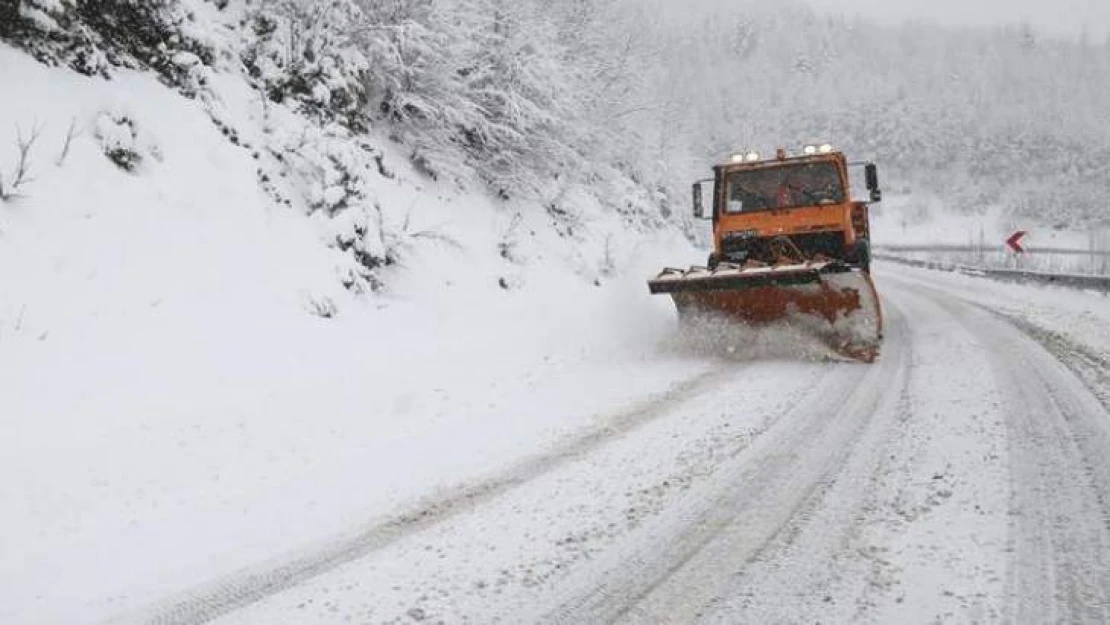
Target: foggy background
pixel 1063 18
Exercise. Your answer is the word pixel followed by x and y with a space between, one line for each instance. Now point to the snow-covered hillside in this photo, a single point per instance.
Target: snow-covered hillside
pixel 213 302
pixel 184 361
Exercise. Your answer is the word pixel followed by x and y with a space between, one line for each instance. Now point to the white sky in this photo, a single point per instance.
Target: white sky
pixel 1058 17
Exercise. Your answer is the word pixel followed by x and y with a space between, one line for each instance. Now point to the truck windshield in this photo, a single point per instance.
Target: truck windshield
pixel 785 186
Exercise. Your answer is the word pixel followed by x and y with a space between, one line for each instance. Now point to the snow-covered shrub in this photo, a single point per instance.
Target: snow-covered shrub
pixel 399 238
pixel 300 51
pixel 413 82
pixel 328 166
pixel 340 186
pixel 512 75
pixel 331 173
pixel 118 135
pixel 322 306
pixel 508 244
pixel 564 220
pixel 92 36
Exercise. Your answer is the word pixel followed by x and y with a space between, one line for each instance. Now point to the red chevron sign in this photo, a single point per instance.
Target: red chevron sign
pixel 1015 241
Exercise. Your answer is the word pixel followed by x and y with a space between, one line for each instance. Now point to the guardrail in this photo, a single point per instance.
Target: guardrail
pixel 1078 281
pixel 982 249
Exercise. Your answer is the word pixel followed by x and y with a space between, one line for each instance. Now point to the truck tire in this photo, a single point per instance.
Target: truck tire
pixel 861 255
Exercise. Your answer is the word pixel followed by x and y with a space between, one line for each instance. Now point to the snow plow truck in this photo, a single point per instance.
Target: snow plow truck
pixel 789 245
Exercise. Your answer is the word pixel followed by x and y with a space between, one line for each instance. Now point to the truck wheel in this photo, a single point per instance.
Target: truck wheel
pixel 861 255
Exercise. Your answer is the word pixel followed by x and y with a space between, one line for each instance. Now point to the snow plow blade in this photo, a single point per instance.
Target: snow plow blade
pixel 841 298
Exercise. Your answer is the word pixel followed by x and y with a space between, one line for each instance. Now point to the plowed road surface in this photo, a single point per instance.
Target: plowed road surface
pixel 964 477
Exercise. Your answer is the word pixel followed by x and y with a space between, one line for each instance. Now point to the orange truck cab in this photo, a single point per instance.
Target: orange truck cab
pixel 805 199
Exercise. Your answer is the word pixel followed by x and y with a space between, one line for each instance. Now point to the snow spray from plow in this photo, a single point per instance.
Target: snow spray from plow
pixel 838 304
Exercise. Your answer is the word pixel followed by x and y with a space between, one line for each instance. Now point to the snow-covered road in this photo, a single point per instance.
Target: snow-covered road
pixel 965 477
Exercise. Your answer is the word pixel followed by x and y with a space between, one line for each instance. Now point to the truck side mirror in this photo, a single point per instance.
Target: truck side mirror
pixel 871 172
pixel 699 209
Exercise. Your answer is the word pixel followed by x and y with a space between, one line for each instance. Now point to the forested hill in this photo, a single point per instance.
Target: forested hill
pixel 533 95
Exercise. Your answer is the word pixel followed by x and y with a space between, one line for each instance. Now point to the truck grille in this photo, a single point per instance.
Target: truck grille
pixel 828 243
pixel 739 248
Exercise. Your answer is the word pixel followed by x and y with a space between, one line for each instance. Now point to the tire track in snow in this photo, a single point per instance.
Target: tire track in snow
pixel 243 588
pixel 1084 362
pixel 778 488
pixel 1087 363
pixel 510 560
pixel 1059 459
pixel 809 570
pixel 1054 435
pixel 675 572
pixel 935 529
pixel 1059 447
pixel 1054 515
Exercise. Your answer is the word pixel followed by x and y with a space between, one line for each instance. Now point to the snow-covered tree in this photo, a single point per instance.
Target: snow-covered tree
pixel 511 72
pixel 413 80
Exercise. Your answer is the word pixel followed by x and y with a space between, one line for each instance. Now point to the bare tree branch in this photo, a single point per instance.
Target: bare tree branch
pixel 71 133
pixel 22 175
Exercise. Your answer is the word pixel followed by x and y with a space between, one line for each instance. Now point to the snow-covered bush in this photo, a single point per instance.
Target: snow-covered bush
pixel 512 74
pixel 301 51
pixel 323 307
pixel 410 52
pixel 414 83
pixel 118 136
pixel 93 36
pixel 331 173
